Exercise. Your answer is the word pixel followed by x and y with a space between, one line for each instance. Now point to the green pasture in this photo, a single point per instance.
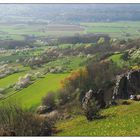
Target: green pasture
pixel 11 79
pixel 31 96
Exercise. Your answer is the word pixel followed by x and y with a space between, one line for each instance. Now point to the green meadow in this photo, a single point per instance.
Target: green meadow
pixel 31 96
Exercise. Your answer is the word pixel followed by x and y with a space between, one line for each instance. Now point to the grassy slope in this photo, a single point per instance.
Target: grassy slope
pixel 71 63
pixel 123 120
pixel 116 58
pixel 31 96
pixel 11 79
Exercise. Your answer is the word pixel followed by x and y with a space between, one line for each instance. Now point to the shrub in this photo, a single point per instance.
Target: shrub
pixel 65 95
pixel 49 101
pixel 101 41
pixel 125 56
pixel 16 121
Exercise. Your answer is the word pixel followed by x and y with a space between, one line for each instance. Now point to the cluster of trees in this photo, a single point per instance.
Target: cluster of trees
pixel 87 38
pixel 98 73
pixel 6 70
pixel 96 76
pixel 12 44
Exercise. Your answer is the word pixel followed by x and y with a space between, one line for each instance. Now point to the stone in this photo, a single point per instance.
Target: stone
pixel 127 84
pixel 99 97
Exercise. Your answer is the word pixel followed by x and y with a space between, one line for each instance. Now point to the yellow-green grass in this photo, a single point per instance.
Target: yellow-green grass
pixel 116 58
pixel 122 120
pixel 71 63
pixel 31 96
pixel 11 79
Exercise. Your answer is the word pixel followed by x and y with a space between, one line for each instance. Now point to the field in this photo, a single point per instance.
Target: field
pixel 62 27
pixel 55 62
pixel 69 63
pixel 11 79
pixel 31 96
pixel 18 32
pixel 122 120
pixel 127 29
pixel 115 29
pixel 116 58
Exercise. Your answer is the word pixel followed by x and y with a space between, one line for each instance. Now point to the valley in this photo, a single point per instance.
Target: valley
pixel 69 71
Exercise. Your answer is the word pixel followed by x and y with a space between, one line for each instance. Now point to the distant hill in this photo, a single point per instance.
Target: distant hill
pixel 68 13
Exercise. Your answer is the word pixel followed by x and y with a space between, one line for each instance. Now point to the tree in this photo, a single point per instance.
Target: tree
pixel 49 101
pixel 101 41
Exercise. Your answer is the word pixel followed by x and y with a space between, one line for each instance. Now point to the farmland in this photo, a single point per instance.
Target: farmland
pixel 31 96
pixel 69 70
pixel 122 29
pixel 19 32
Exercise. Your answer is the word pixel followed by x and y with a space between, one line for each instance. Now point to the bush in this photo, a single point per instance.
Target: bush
pixel 125 56
pixel 101 41
pixel 18 122
pixel 49 101
pixel 66 94
pixel 63 96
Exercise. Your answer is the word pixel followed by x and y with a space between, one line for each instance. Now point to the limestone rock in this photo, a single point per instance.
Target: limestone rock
pixel 127 84
pixel 99 97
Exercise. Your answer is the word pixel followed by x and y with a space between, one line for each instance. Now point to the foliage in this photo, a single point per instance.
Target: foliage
pixel 125 56
pixel 16 121
pixel 65 95
pixel 101 41
pixel 49 101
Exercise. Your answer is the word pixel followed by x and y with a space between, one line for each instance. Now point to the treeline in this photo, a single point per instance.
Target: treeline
pixel 12 44
pixel 68 101
pixel 87 38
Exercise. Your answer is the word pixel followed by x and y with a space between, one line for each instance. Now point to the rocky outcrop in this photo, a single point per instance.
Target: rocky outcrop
pixel 127 84
pixel 91 104
pixel 99 97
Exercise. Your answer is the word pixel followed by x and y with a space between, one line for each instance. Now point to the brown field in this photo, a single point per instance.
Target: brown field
pixel 57 27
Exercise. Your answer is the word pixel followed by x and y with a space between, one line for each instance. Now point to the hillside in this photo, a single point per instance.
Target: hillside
pixel 122 120
pixel 69 69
